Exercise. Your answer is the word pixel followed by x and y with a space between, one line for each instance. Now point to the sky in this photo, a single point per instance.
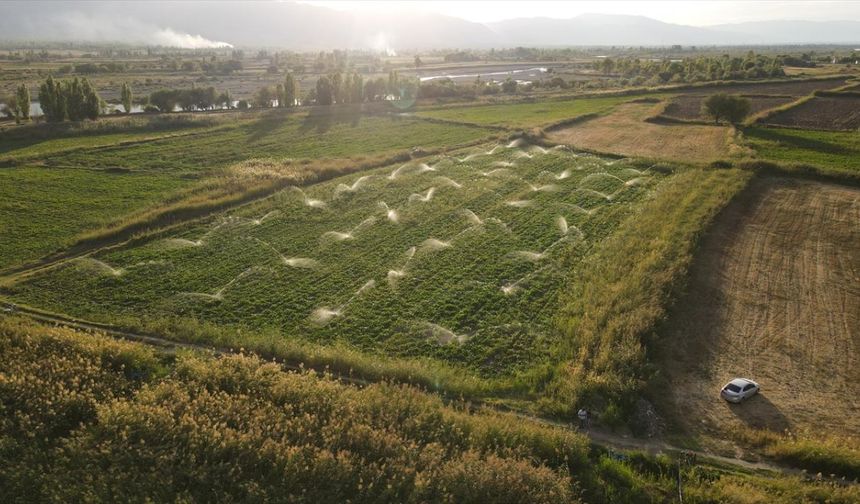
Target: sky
pixel 695 13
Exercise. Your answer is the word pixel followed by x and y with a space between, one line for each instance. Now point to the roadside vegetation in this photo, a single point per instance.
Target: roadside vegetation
pixel 89 418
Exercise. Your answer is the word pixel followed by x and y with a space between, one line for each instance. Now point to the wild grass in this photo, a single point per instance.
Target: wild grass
pixel 613 303
pixel 86 418
pixel 833 455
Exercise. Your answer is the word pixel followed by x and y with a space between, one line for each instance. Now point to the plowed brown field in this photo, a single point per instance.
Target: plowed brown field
pixel 774 295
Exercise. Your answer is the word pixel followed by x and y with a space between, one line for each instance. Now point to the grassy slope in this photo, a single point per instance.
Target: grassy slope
pixel 48 215
pixel 523 115
pixel 114 421
pixel 835 151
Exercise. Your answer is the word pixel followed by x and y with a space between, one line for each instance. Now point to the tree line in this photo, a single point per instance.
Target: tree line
pixel 698 69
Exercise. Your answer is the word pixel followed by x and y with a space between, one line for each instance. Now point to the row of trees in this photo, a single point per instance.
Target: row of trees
pixel 74 100
pixel 196 98
pixel 18 104
pixel 702 68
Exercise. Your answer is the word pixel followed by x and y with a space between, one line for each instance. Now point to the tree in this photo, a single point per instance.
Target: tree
pixel 281 96
pixel 356 89
pixel 22 99
pixel 291 90
pixel 417 61
pixel 732 108
pixel 509 86
pixel 92 106
pixel 125 96
pixel 164 99
pixel 52 100
pixel 264 96
pixel 324 91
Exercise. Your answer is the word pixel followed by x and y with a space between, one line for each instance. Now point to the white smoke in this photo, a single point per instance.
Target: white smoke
pixel 78 25
pixel 168 37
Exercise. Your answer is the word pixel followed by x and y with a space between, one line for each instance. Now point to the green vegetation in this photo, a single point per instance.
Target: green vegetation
pixel 111 164
pixel 42 210
pixel 522 115
pixel 612 305
pixel 74 100
pixel 460 261
pixel 85 418
pixel 837 152
pixel 338 134
pixel 698 69
pixel 839 456
pixel 721 106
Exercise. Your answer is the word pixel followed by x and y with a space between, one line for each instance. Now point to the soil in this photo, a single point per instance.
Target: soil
pixel 823 113
pixel 774 295
pixel 789 88
pixel 625 132
pixel 689 107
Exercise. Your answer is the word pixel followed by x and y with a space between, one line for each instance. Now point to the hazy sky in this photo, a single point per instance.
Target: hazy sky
pixel 697 13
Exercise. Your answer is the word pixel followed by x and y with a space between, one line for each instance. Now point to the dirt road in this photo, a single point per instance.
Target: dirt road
pixel 774 295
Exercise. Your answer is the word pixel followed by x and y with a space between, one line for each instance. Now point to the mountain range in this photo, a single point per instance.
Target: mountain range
pixel 310 27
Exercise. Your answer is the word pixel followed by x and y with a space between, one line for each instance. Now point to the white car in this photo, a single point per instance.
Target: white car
pixel 739 389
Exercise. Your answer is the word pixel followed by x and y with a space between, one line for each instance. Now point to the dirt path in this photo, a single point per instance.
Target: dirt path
pixel 774 295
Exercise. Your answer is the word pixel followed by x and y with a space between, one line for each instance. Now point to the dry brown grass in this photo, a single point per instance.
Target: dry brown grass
pixel 773 296
pixel 626 132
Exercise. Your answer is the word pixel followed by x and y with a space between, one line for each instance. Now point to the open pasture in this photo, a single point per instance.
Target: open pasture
pixel 460 258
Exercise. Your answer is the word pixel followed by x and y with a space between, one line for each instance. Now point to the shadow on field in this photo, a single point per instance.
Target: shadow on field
pixel 760 413
pixel 802 143
pixel 321 119
pixel 265 126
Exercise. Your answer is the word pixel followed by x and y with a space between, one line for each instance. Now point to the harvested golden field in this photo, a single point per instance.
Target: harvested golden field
pixel 774 296
pixel 625 132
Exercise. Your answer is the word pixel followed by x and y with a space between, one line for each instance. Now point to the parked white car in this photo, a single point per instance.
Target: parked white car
pixel 739 389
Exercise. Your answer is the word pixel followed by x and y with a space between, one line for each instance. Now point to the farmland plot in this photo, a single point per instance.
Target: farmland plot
pixel 821 113
pixel 773 297
pixel 460 259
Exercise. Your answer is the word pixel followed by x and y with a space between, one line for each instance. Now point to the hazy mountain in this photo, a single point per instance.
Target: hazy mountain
pixel 601 29
pixel 307 27
pixel 796 32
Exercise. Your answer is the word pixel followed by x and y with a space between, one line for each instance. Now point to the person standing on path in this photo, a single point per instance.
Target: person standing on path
pixel 582 414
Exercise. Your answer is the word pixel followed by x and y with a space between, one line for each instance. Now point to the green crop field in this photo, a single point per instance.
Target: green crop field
pixel 458 259
pixel 43 209
pixel 834 151
pixel 527 114
pixel 275 135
